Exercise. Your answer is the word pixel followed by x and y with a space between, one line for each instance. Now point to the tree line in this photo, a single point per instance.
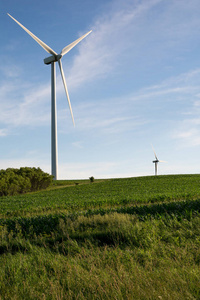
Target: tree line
pixel 23 180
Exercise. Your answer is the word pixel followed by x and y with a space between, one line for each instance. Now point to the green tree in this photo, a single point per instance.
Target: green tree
pixel 23 180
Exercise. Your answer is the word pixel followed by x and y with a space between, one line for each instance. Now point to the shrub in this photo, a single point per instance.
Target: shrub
pixel 91 179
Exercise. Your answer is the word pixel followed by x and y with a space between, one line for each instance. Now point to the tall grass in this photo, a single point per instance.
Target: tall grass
pixel 143 250
pixel 114 256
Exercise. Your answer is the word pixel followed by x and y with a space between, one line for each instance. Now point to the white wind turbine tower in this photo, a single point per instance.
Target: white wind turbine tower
pixel 51 60
pixel 156 161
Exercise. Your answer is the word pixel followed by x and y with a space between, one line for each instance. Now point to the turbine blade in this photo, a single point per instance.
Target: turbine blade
pixel 41 43
pixel 72 45
pixel 66 90
pixel 162 161
pixel 154 152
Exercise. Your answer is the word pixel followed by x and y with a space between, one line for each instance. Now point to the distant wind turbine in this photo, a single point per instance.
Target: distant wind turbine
pixel 156 161
pixel 51 60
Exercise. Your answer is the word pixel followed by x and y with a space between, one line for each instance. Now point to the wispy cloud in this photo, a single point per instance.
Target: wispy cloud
pixel 10 70
pixel 31 111
pixel 132 28
pixel 3 132
pixel 78 144
pixel 187 134
pixel 99 54
pixel 138 28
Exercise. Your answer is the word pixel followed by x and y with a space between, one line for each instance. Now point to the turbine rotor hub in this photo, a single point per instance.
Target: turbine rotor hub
pixel 52 58
pixel 58 57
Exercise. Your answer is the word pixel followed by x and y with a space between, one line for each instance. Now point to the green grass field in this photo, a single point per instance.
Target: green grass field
pixel 133 238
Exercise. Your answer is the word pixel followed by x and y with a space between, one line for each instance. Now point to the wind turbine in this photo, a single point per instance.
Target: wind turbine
pixel 52 60
pixel 156 161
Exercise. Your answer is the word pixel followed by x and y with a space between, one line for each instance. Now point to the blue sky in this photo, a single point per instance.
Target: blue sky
pixel 133 82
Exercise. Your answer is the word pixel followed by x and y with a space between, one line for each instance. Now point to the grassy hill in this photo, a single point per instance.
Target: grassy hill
pixel 132 238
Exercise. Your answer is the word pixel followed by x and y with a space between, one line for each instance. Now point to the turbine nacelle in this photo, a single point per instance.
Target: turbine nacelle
pixel 52 58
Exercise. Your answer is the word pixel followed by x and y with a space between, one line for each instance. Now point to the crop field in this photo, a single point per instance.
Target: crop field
pixel 132 238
